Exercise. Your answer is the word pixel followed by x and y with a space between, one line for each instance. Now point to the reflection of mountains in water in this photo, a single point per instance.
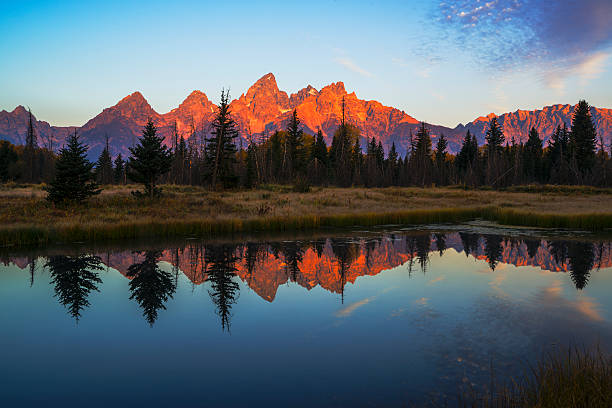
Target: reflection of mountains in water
pixel 332 263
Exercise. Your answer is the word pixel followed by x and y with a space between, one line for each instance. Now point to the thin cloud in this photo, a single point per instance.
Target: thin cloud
pixel 501 35
pixel 352 66
pixel 348 310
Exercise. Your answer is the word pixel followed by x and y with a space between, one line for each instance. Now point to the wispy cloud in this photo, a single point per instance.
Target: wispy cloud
pixel 436 280
pixel 585 68
pixel 348 310
pixel 352 66
pixel 516 34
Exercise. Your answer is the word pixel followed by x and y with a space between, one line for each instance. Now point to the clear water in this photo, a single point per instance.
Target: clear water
pixel 376 318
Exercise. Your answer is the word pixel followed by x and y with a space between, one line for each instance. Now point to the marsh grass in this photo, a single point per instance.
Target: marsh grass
pixel 570 378
pixel 27 219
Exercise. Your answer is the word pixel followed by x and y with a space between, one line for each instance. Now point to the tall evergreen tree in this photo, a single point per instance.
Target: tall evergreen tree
pixel 29 152
pixel 295 144
pixel 74 179
pixel 494 139
pixel 251 165
pixel 8 158
pixel 440 156
pixel 119 170
pixel 583 138
pixel 104 166
pixel 532 156
pixel 423 163
pixel 220 148
pixel 150 160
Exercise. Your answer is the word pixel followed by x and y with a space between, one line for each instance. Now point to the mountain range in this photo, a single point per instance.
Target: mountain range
pixel 264 108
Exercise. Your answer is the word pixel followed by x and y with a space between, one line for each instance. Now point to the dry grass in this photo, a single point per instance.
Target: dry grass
pixel 26 218
pixel 568 378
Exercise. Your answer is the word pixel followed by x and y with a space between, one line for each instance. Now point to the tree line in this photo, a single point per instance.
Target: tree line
pixel 574 155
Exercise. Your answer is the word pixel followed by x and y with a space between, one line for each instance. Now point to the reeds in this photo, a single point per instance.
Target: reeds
pixel 27 219
pixel 573 377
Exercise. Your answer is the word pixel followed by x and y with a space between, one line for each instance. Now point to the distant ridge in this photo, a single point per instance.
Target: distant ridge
pixel 264 108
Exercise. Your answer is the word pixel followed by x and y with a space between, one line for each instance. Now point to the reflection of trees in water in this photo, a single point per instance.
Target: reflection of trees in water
pixel 423 245
pixel 224 290
pixel 469 242
pixel 532 247
pixel 493 249
pixel 151 287
pixel 581 259
pixel 440 239
pixel 293 255
pixel 345 253
pixel 74 277
pixel 252 255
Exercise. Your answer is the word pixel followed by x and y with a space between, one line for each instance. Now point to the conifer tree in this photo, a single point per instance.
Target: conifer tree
pixel 8 157
pixel 104 166
pixel 423 163
pixel 74 179
pixel 251 166
pixel 583 138
pixel 440 156
pixel 119 170
pixel 319 151
pixel 494 138
pixel 220 148
pixel 295 143
pixel 532 156
pixel 150 160
pixel 29 151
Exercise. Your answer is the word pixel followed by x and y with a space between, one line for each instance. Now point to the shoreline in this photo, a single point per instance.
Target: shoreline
pixel 27 220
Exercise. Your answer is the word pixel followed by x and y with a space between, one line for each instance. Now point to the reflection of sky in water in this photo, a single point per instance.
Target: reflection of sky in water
pixel 395 337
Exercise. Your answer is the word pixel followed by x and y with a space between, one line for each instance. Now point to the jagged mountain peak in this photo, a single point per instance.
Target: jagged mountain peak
pixel 134 97
pixel 335 88
pixel 196 97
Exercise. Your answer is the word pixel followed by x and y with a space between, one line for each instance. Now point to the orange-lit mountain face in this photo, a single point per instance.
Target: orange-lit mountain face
pixel 264 108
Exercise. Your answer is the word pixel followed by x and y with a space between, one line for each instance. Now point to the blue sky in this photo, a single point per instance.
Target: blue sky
pixel 442 62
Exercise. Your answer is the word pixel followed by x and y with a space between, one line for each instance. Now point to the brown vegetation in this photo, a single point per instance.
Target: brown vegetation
pixel 26 218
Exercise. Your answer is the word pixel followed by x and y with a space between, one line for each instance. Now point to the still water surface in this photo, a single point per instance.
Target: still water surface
pixel 376 318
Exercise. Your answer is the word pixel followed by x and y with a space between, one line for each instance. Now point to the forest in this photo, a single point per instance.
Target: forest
pixel 574 155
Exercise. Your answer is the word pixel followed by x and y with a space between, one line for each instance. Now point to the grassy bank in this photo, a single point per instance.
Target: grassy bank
pixel 569 378
pixel 27 219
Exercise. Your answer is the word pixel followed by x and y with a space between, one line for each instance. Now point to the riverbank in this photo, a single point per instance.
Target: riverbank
pixel 27 219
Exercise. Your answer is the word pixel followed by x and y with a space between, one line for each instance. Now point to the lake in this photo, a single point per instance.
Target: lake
pixel 391 316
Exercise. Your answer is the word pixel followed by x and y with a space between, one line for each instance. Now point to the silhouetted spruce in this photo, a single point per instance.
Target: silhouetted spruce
pixel 104 166
pixel 74 179
pixel 150 160
pixel 119 170
pixel 8 158
pixel 583 138
pixel 220 147
pixel 532 156
pixel 294 159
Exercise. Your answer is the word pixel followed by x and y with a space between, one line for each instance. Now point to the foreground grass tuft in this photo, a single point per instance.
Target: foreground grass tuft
pixel 570 378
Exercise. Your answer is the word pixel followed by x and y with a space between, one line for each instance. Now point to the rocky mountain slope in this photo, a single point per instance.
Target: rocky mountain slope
pixel 264 108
